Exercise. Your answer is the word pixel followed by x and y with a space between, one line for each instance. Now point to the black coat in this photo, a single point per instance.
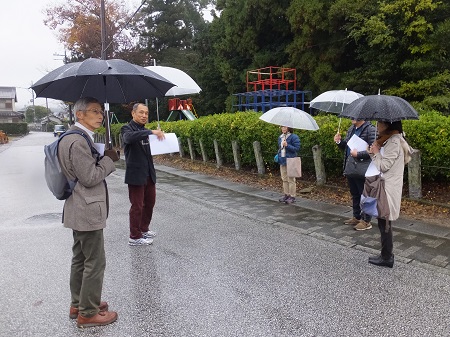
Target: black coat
pixel 138 156
pixel 368 133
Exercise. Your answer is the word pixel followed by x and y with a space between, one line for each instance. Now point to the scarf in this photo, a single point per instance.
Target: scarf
pixel 407 150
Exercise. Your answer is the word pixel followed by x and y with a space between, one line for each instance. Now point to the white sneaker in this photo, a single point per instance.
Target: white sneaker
pixel 148 235
pixel 139 242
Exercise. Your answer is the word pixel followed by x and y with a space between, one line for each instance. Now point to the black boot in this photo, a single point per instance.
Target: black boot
pixel 379 261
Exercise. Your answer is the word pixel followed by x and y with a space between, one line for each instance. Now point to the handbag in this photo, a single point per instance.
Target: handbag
pixel 374 199
pixel 294 167
pixel 356 168
pixel 275 159
pixel 369 206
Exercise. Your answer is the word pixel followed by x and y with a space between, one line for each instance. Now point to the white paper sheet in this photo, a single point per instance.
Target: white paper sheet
pixel 372 169
pixel 168 145
pixel 357 143
pixel 100 147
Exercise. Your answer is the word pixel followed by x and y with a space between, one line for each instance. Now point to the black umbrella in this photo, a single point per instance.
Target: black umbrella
pixel 380 108
pixel 109 81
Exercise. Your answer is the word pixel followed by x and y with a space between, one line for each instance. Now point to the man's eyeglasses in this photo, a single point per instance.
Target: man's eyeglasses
pixel 96 112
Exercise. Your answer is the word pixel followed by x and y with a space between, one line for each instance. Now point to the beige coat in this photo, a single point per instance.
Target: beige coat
pixel 86 209
pixel 392 164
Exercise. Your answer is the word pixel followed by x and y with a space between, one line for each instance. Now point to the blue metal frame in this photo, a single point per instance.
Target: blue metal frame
pixel 262 100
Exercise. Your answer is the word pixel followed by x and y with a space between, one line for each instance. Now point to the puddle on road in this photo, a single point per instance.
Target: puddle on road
pixel 45 218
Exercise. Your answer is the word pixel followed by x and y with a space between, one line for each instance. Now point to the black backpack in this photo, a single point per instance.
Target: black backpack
pixel 57 182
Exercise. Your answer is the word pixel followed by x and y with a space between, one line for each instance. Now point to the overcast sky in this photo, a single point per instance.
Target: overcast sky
pixel 28 47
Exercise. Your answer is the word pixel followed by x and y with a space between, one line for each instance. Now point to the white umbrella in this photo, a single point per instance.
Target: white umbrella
pixel 334 101
pixel 184 84
pixel 291 117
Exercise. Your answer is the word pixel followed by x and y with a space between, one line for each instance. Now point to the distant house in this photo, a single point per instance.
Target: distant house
pixel 8 98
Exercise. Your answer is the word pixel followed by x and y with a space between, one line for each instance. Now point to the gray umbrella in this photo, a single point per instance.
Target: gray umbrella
pixel 109 81
pixel 380 108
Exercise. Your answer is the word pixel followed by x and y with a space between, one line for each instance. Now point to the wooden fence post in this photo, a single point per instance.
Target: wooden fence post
pixel 236 154
pixel 202 149
pixel 415 176
pixel 259 157
pixel 319 165
pixel 219 161
pixel 191 148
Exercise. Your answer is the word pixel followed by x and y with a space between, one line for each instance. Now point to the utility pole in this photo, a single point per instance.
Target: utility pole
pixel 34 107
pixel 103 29
pixel 65 59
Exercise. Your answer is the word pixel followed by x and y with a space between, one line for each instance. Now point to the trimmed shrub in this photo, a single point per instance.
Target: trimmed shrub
pixel 430 135
pixel 14 128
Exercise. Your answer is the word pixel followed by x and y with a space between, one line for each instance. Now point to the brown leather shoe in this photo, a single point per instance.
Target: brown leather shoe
pixel 73 313
pixel 102 318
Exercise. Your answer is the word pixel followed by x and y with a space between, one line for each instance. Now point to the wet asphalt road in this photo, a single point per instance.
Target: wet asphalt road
pixel 228 261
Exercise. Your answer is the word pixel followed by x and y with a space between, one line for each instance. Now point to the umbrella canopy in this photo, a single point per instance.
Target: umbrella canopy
pixel 184 84
pixel 109 81
pixel 380 108
pixel 334 100
pixel 291 117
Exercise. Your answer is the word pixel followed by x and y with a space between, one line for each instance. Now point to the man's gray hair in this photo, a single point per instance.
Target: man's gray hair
pixel 136 105
pixel 82 104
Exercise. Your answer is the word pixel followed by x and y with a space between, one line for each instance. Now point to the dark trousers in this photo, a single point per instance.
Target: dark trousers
pixel 142 198
pixel 386 239
pixel 87 270
pixel 356 186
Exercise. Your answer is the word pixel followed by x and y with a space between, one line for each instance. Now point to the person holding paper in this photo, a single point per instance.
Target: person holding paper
pixel 396 154
pixel 140 175
pixel 366 132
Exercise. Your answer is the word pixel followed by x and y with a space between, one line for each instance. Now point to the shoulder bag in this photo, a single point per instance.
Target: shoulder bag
pixel 294 167
pixel 356 168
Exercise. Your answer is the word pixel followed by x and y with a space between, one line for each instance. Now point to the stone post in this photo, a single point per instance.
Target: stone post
pixel 259 157
pixel 180 145
pixel 236 154
pixel 415 176
pixel 219 162
pixel 203 150
pixel 191 148
pixel 321 177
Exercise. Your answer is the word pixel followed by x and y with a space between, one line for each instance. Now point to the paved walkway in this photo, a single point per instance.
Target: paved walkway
pixel 415 242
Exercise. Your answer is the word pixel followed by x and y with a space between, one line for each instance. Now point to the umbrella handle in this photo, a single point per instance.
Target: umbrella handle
pixel 339 126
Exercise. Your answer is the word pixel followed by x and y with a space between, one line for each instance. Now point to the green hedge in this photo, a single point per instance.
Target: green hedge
pixel 430 135
pixel 14 128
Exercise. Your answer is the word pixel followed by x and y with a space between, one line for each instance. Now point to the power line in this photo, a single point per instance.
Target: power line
pixel 126 23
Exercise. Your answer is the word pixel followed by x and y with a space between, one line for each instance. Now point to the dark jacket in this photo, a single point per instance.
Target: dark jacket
pixel 293 146
pixel 368 134
pixel 138 156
